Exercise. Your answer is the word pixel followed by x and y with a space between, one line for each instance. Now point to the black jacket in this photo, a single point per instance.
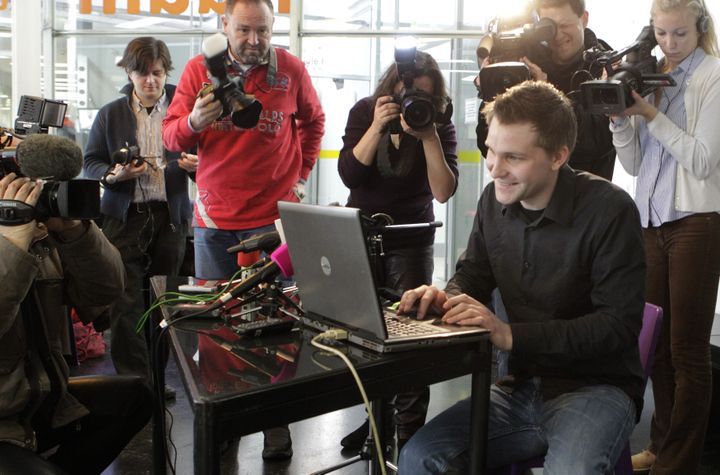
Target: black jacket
pixel 115 125
pixel 594 151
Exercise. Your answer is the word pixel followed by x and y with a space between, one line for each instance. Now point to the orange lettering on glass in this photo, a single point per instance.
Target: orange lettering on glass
pixel 176 8
pixel 207 5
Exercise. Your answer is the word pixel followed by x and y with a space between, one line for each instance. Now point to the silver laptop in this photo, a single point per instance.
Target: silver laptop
pixel 337 287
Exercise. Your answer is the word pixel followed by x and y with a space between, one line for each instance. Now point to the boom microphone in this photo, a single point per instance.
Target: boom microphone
pixel 263 242
pixel 279 264
pixel 50 157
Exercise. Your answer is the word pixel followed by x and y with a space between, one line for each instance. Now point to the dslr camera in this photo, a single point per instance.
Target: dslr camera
pixel 244 109
pixel 637 73
pixel 508 40
pixel 417 107
pixel 129 154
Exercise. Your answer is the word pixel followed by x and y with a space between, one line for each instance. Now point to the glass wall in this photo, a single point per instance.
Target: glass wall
pixel 346 45
pixel 346 67
pixel 6 115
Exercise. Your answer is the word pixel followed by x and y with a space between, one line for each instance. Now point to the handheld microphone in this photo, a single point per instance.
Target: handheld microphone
pixel 49 156
pixel 263 242
pixel 279 264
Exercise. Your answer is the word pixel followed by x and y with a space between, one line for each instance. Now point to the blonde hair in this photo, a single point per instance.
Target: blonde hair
pixel 707 40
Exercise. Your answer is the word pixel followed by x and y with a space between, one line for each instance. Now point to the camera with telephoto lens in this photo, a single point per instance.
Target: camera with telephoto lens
pixel 508 40
pixel 637 73
pixel 417 107
pixel 244 109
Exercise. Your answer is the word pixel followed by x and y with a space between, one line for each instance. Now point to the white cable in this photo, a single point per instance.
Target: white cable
pixel 333 334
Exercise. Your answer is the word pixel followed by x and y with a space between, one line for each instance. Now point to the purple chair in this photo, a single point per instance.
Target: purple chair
pixel 647 340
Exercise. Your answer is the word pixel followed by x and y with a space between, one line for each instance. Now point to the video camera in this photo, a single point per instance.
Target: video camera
pixel 36 115
pixel 50 157
pixel 71 199
pixel 507 41
pixel 637 73
pixel 244 109
pixel 417 107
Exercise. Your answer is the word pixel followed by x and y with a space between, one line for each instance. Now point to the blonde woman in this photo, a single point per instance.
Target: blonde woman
pixel 670 141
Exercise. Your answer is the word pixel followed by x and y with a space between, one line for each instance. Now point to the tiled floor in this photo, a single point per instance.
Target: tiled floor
pixel 316 442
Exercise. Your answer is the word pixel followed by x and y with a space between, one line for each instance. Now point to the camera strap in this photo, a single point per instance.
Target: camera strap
pixel 235 68
pixel 15 213
pixel 396 162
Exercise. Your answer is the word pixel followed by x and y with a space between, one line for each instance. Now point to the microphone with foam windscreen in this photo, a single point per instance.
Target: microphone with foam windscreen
pixel 49 157
pixel 57 160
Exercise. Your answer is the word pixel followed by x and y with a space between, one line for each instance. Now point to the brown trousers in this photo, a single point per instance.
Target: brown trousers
pixel 683 259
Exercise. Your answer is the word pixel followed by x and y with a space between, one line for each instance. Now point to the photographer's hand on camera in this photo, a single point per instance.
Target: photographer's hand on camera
pixel 428 133
pixel 25 190
pixel 205 111
pixel 535 71
pixel 641 107
pixel 386 110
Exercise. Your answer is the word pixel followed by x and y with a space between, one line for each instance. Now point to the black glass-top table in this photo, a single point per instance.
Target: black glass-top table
pixel 239 385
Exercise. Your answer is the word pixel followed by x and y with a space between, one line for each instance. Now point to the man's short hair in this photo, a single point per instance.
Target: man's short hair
pixel 230 4
pixel 578 6
pixel 541 105
pixel 142 52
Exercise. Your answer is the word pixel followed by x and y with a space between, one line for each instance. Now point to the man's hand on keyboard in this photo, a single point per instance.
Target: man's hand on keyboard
pixel 465 310
pixel 423 301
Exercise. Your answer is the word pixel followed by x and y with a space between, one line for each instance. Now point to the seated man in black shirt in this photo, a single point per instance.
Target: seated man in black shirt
pixel 563 65
pixel 564 248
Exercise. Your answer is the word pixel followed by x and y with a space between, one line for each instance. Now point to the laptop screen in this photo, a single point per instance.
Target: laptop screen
pixel 332 269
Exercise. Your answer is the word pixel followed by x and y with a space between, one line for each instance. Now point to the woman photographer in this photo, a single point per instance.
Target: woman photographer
pixel 399 171
pixel 670 142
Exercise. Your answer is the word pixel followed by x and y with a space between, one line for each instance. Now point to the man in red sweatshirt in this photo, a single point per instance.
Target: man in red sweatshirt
pixel 244 172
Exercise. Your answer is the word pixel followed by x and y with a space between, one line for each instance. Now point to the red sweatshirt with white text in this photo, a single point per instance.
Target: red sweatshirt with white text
pixel 243 173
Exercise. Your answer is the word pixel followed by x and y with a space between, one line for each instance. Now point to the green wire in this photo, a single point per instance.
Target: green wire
pixel 180 297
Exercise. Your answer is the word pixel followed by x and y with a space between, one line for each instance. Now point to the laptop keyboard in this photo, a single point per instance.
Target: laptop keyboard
pixel 397 327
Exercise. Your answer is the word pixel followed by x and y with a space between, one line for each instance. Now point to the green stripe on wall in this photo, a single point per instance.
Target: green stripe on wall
pixel 464 156
pixel 469 156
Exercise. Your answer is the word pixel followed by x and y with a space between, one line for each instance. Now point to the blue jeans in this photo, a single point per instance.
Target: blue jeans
pixel 211 258
pixel 582 432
